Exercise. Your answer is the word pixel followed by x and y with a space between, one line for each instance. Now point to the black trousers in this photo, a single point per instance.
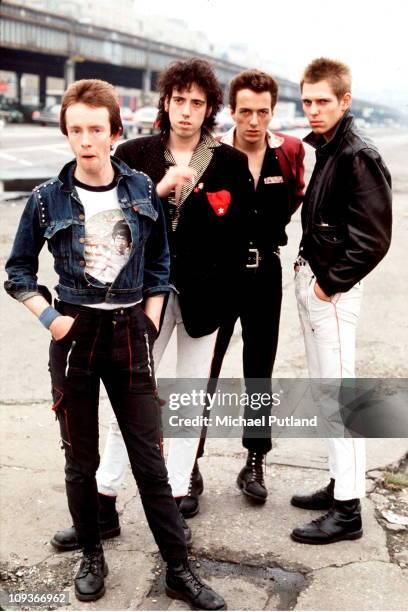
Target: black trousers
pixel 115 347
pixel 258 306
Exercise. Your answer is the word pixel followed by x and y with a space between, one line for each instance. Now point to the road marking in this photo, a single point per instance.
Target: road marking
pixel 49 147
pixel 22 162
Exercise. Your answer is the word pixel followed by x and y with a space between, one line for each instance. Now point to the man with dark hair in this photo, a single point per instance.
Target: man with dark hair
pixel 276 175
pixel 346 221
pixel 203 185
pixel 100 332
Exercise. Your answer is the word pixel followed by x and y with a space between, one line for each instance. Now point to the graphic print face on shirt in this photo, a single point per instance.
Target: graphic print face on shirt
pixel 107 235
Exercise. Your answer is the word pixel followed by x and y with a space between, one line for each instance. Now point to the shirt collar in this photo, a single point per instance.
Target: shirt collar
pixel 206 141
pixel 66 176
pixel 319 142
pixel 274 141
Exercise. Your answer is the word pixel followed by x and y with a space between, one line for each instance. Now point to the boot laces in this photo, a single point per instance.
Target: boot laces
pixel 91 564
pixel 190 483
pixel 257 461
pixel 193 579
pixel 320 519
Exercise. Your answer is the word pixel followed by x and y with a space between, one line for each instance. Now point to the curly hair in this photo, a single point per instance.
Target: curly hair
pixel 256 81
pixel 181 76
pixel 333 71
pixel 96 93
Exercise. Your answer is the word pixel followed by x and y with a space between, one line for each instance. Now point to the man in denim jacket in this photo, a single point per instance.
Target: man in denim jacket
pixel 100 330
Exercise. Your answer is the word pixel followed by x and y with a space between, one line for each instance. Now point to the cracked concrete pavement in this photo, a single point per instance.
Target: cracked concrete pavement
pixel 242 550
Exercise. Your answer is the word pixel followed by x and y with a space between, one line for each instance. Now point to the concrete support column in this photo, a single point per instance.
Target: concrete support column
pixel 69 72
pixel 42 94
pixel 146 85
pixel 19 76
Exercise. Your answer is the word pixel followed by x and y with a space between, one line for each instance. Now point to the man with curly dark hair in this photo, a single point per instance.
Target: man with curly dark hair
pixel 204 187
pixel 182 75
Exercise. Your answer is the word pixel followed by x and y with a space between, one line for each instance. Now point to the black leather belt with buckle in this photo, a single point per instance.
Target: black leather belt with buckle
pixel 253 258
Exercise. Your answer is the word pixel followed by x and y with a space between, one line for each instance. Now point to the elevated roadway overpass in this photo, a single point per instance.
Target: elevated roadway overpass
pixel 48 45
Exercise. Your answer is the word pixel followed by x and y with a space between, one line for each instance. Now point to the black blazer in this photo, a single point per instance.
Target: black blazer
pixel 207 249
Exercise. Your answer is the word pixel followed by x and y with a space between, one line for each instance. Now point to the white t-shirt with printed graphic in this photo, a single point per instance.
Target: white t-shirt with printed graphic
pixel 107 236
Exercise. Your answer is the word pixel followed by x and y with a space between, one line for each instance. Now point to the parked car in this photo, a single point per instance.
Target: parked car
pixel 11 113
pixel 144 120
pixel 223 121
pixel 47 116
pixel 3 119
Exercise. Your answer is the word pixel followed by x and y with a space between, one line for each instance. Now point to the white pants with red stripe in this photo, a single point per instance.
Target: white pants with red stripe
pixel 329 330
pixel 194 357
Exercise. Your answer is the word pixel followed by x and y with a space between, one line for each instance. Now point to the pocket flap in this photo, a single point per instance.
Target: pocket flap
pixel 57 226
pixel 146 209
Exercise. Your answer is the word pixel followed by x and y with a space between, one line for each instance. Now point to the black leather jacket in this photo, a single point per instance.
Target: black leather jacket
pixel 346 214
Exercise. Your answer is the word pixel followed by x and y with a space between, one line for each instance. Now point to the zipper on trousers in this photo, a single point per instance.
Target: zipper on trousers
pixel 149 363
pixel 68 358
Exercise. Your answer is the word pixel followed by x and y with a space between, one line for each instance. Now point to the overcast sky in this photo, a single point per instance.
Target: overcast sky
pixel 370 35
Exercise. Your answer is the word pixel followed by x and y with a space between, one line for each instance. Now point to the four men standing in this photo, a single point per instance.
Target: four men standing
pixel 223 209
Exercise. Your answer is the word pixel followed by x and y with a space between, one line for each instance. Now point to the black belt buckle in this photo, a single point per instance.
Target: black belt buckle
pixel 253 258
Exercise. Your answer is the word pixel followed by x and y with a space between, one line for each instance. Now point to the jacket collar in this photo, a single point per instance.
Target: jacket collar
pixel 66 176
pixel 208 139
pixel 274 141
pixel 317 141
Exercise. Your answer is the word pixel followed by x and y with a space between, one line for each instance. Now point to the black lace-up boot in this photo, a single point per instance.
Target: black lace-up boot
pixel 190 504
pixel 322 499
pixel 341 522
pixel 109 527
pixel 183 584
pixel 251 478
pixel 89 581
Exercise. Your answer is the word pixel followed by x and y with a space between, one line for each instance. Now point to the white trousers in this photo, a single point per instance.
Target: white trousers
pixel 194 356
pixel 329 330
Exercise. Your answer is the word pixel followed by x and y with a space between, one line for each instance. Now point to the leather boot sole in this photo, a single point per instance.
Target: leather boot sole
pixel 354 535
pixel 105 535
pixel 256 498
pixel 177 595
pixel 93 596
